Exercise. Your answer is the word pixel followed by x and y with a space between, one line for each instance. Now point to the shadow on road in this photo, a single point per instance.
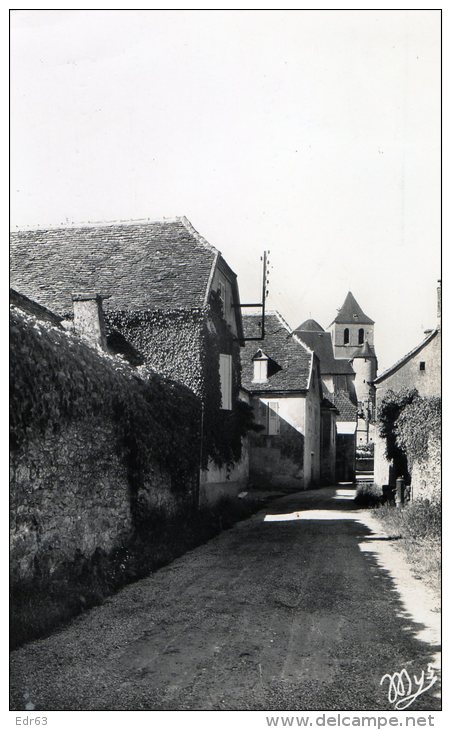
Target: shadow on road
pixel 303 611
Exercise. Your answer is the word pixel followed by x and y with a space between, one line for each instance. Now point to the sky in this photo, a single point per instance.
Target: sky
pixel 312 134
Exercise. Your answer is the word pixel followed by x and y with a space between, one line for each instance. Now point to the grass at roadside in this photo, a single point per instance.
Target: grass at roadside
pixel 419 526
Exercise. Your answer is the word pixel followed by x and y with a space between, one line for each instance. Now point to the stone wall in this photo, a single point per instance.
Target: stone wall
pixel 70 496
pixel 95 450
pixel 426 475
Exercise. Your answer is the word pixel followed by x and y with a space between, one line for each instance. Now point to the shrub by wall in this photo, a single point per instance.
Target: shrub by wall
pixel 411 425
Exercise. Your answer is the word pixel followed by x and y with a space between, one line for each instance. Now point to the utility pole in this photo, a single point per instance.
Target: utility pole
pixel 265 292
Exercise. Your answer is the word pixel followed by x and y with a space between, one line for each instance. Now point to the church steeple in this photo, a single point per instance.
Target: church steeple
pixel 351 312
pixel 351 328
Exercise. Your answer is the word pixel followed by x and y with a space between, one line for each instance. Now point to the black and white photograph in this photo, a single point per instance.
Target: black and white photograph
pixel 225 367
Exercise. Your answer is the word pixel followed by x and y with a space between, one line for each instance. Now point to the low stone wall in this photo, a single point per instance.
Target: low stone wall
pixel 224 482
pixel 364 464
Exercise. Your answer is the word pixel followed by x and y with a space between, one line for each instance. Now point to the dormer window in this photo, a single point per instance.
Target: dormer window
pixel 264 367
pixel 260 368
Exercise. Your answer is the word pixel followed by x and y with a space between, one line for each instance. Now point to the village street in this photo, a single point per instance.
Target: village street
pixel 307 609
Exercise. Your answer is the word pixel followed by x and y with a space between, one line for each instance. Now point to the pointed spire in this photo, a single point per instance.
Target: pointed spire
pixel 351 312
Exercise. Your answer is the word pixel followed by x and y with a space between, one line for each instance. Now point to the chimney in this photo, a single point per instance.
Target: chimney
pixel 89 322
pixel 439 304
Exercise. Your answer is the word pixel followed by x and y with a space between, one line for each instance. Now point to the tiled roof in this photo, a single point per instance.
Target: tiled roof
pixel 351 312
pixel 281 346
pixel 31 307
pixel 140 265
pixel 321 344
pixel 406 358
pixel 347 410
pixel 310 325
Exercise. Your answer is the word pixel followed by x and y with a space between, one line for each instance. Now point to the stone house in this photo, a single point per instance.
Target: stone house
pixel 420 368
pixel 168 302
pixel 295 447
pixel 338 378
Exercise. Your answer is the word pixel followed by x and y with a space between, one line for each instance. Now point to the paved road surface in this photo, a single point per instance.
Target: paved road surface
pixel 296 612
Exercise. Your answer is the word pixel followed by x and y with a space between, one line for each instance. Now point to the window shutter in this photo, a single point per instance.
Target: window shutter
pixel 273 418
pixel 225 374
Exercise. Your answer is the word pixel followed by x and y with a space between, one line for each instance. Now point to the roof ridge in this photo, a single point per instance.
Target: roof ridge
pixel 101 224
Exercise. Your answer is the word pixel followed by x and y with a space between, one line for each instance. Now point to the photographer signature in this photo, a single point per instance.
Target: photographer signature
pixel 402 691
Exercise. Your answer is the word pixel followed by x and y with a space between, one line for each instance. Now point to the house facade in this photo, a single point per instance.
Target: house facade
pixel 338 376
pixel 170 305
pixel 420 368
pixel 283 379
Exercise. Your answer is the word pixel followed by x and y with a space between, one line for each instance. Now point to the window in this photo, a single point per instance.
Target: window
pixel 273 418
pixel 346 337
pixel 225 375
pixel 260 371
pixel 222 295
pixel 422 366
pixel 361 336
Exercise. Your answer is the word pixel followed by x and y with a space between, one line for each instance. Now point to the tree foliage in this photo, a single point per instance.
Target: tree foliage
pixel 406 421
pixel 389 410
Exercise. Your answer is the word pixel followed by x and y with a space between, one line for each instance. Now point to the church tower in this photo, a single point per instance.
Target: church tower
pixel 353 339
pixel 351 328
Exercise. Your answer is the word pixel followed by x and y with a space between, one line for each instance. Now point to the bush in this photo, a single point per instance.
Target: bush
pixel 417 520
pixel 368 495
pixel 365 451
pixel 419 527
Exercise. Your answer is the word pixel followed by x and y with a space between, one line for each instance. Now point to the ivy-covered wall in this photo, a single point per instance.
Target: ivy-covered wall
pixel 409 439
pixel 95 450
pixel 185 345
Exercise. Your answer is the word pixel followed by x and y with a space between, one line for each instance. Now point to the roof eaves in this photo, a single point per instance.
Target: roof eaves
pixel 278 391
pixel 311 353
pixel 391 370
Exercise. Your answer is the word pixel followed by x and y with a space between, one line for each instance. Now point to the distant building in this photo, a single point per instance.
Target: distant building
pixel 353 339
pixel 337 377
pixel 296 445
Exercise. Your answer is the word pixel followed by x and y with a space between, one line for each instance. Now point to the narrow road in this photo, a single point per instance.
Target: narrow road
pixel 305 606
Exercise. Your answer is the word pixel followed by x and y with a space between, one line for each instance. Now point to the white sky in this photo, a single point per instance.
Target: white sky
pixel 313 134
